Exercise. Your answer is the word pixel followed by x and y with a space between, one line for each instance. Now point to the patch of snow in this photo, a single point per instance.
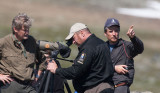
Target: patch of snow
pixel 151 11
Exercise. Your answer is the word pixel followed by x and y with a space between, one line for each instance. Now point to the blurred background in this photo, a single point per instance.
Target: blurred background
pixel 53 19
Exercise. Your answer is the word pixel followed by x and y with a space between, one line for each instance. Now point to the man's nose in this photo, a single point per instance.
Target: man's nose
pixel 114 32
pixel 27 32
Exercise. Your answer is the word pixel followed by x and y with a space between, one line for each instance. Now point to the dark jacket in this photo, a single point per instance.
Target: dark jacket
pixel 123 55
pixel 91 67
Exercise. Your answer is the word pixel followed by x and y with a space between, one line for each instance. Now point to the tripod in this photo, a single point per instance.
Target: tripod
pixel 50 77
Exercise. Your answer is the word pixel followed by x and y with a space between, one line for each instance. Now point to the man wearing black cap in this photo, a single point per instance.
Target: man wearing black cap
pixel 92 69
pixel 122 54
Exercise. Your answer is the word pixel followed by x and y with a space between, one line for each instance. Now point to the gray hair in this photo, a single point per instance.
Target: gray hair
pixel 21 20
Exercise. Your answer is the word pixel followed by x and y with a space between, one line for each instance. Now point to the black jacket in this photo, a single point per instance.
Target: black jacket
pixel 123 54
pixel 91 67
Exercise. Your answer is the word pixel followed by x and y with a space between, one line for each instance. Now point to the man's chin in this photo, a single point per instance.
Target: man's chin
pixel 25 38
pixel 115 40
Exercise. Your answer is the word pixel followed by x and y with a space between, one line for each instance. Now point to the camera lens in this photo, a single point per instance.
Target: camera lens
pixel 126 68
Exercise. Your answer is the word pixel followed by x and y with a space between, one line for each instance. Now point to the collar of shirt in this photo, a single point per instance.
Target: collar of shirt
pixel 111 47
pixel 16 42
pixel 19 45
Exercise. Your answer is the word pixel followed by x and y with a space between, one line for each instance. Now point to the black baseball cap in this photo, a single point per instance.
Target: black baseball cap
pixel 111 22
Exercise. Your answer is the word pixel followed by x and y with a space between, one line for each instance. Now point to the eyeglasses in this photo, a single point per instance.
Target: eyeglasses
pixel 25 29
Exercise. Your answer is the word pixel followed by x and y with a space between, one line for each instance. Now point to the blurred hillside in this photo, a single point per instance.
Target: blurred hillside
pixel 53 19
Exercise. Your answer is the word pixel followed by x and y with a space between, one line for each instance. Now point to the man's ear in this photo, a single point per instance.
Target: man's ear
pixel 105 34
pixel 15 30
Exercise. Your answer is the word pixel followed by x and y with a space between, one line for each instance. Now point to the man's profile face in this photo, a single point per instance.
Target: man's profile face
pixel 77 39
pixel 22 34
pixel 112 34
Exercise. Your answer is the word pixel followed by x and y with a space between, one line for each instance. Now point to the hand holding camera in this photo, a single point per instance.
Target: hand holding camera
pixel 121 69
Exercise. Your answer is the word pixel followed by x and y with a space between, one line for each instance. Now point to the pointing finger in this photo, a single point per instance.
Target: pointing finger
pixel 131 27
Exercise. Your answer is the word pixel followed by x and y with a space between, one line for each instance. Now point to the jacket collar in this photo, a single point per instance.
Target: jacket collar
pixel 85 42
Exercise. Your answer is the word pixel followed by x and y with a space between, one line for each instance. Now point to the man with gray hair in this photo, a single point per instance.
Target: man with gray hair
pixel 18 53
pixel 92 69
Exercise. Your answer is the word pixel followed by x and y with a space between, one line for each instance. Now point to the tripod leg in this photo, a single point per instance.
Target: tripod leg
pixel 48 81
pixel 67 86
pixel 42 83
pixel 51 87
pixel 65 81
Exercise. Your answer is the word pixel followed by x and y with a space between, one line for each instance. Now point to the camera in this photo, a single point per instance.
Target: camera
pixel 57 48
pixel 125 68
pixel 46 81
pixel 128 67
